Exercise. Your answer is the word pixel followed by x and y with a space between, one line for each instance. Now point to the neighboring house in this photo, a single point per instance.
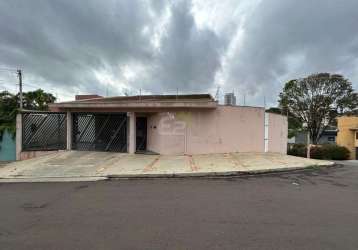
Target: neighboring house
pixel 348 134
pixel 7 147
pixel 164 124
pixel 328 136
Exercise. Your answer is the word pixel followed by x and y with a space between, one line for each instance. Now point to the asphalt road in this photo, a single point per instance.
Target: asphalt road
pixel 315 209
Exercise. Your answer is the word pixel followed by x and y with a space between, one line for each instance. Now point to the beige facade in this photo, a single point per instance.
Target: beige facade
pixel 224 129
pixel 348 134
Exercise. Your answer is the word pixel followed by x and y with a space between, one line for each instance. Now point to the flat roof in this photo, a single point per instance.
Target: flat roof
pixel 142 101
pixel 146 98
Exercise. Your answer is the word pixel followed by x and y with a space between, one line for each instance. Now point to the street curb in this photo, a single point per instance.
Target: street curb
pixel 51 179
pixel 217 174
pixel 25 179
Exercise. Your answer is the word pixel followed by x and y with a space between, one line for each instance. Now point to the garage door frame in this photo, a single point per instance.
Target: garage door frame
pixel 93 131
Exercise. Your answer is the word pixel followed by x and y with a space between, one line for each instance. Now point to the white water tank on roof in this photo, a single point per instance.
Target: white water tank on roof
pixel 230 99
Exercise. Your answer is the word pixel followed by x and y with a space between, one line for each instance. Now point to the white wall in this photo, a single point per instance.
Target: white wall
pixel 277 133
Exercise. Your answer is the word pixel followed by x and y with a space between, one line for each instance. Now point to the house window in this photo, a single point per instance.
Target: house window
pixel 356 135
pixel 331 138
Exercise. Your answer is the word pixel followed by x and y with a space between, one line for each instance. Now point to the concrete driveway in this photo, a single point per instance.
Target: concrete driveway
pixel 81 165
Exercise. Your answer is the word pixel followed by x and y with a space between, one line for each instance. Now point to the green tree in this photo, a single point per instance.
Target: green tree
pixel 8 110
pixel 37 100
pixel 317 100
pixel 9 105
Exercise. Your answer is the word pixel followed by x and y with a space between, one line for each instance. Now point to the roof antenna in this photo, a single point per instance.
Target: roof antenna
pixel 264 101
pixel 217 93
pixel 177 93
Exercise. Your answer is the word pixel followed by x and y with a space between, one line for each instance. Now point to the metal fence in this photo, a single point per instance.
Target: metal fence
pixel 43 131
pixel 100 132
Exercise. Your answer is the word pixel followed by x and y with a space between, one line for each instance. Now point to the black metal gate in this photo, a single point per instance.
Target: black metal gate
pixel 43 131
pixel 100 132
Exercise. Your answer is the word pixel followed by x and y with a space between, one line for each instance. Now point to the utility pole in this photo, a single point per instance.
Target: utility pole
pixel 19 74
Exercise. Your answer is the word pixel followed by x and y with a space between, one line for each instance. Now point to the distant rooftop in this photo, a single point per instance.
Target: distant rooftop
pixel 85 97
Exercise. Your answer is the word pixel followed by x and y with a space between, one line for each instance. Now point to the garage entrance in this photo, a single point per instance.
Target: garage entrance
pixel 99 132
pixel 43 131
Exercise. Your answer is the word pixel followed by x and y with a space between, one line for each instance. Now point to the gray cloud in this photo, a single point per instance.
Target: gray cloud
pixel 188 57
pixel 158 46
pixel 64 41
pixel 286 39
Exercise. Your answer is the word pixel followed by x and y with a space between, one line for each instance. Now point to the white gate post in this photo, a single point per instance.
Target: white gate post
pixel 18 136
pixel 132 132
pixel 68 130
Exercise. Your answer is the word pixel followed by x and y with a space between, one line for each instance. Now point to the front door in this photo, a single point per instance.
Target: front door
pixel 141 134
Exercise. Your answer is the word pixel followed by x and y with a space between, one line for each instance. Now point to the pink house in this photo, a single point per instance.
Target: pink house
pixel 166 124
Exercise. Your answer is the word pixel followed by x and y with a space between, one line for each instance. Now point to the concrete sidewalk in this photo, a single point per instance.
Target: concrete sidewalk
pixel 80 165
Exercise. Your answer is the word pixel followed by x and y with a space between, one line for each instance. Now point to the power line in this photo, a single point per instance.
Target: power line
pixel 28 84
pixel 8 69
pixel 55 91
pixel 10 85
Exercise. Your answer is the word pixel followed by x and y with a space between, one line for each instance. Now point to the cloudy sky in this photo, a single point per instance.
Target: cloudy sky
pixel 73 47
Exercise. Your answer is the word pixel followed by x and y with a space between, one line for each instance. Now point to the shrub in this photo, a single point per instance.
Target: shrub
pixel 317 152
pixel 297 150
pixel 325 151
pixel 335 152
